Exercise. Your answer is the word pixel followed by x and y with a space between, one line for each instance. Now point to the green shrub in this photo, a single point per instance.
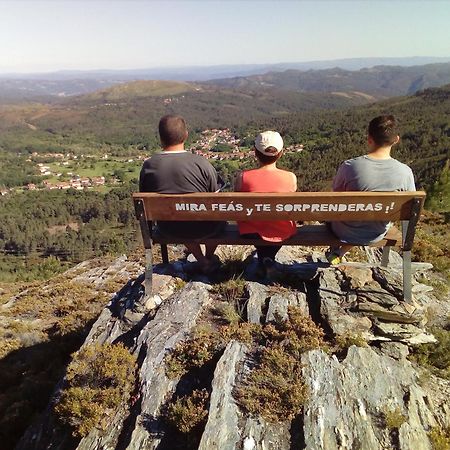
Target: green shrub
pixel 188 412
pixel 275 388
pixel 393 418
pixel 99 379
pixel 440 438
pixel 204 344
pixel 344 341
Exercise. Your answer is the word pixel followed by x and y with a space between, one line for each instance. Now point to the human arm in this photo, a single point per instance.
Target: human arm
pixel 238 182
pixel 339 180
pixel 294 182
pixel 411 185
pixel 142 177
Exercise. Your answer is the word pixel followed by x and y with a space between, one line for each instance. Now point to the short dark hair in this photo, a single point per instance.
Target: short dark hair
pixel 172 130
pixel 383 130
pixel 266 159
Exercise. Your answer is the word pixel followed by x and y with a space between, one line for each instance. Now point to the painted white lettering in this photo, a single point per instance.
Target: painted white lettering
pixel 249 211
pixel 279 207
pixel 360 207
pixel 266 207
pixel 180 207
pixel 315 207
pixel 378 207
pixel 351 207
pixel 239 207
pixel 369 207
pixel 288 208
pixel 297 207
pixel 333 207
pixel 342 207
pixel 324 207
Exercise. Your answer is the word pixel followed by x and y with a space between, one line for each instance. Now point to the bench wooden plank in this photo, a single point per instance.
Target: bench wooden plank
pixel 307 235
pixel 298 206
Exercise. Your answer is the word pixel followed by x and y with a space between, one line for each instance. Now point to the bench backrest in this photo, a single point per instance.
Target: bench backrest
pixel 298 206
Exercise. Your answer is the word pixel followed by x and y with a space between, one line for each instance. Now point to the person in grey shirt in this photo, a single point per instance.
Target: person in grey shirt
pixel 176 171
pixel 378 172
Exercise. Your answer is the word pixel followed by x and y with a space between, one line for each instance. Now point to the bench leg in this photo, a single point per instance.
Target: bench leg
pixel 148 272
pixel 164 254
pixel 407 285
pixel 385 256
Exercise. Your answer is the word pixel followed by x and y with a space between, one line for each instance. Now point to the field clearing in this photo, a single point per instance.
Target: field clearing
pixel 88 169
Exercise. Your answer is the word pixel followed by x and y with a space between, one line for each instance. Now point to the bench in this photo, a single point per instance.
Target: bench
pixel 298 206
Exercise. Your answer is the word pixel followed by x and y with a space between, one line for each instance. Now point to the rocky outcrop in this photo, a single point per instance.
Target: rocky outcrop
pixel 223 408
pixel 352 394
pixel 350 399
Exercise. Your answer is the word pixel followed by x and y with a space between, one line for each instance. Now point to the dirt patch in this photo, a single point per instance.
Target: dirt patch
pixel 55 229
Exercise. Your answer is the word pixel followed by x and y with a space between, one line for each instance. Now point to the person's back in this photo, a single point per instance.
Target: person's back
pixel 267 178
pixel 176 171
pixel 261 180
pixel 376 172
pixel 377 175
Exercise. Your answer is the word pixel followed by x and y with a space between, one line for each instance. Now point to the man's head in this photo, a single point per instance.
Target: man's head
pixel 268 147
pixel 172 130
pixel 383 131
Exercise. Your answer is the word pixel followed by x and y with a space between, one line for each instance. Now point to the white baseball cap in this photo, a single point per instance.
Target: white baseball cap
pixel 269 139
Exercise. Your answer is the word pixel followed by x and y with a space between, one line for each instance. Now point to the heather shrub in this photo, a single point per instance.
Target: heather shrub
pixel 99 379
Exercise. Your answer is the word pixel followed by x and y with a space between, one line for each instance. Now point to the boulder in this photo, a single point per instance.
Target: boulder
pixel 257 295
pixel 279 304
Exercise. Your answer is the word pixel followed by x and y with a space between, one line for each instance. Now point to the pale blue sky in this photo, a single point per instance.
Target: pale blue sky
pixel 52 35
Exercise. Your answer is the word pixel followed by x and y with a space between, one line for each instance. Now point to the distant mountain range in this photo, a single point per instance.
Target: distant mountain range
pixel 378 82
pixel 44 86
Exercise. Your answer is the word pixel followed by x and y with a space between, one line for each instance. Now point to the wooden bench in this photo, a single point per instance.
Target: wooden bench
pixel 298 206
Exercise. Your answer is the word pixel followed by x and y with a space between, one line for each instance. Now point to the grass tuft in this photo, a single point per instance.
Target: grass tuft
pixel 435 357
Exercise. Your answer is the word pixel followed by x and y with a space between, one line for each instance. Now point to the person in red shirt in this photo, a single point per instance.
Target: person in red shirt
pixel 267 177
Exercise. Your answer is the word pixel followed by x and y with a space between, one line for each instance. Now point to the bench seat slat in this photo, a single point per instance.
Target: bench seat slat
pixel 308 235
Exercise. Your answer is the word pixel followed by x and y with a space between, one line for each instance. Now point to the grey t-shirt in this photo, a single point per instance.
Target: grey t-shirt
pixel 180 172
pixel 177 172
pixel 368 174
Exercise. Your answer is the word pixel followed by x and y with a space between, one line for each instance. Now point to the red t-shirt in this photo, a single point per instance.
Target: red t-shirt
pixel 261 180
